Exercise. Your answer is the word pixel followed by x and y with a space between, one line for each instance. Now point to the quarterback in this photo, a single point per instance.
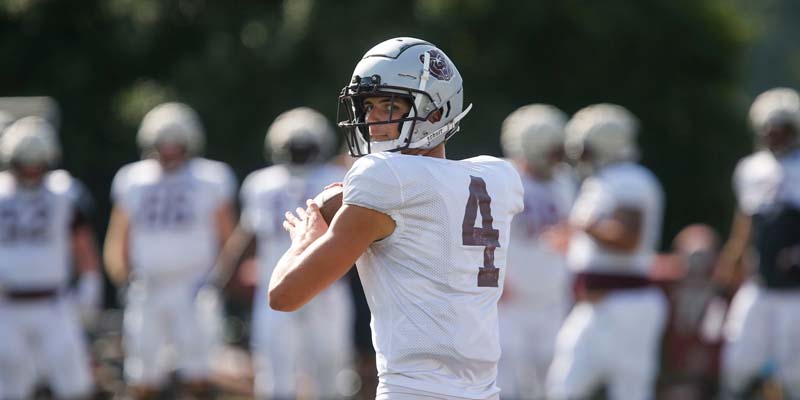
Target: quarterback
pixel 429 235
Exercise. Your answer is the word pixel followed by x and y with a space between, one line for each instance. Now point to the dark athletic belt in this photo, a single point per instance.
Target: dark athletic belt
pixel 605 281
pixel 23 295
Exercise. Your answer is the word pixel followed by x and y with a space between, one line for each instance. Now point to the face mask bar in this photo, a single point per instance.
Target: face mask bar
pixel 354 122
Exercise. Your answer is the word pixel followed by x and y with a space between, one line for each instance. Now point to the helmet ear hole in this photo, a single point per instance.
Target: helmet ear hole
pixel 436 116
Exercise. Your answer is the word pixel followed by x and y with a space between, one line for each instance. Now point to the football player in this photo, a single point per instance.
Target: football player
pixel 318 338
pixel 693 338
pixel 536 294
pixel 171 214
pixel 612 335
pixel 43 235
pixel 763 323
pixel 430 235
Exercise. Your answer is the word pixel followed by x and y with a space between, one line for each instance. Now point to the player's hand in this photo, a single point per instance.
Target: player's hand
pixel 334 184
pixel 305 227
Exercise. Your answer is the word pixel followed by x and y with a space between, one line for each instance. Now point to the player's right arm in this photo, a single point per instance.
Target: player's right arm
pixel 620 231
pixel 600 214
pixel 730 265
pixel 318 257
pixel 115 248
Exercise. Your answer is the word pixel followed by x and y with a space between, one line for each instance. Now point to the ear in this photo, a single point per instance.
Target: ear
pixel 435 116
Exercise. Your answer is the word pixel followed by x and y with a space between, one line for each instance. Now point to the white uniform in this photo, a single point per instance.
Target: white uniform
pixel 763 325
pixel 44 334
pixel 173 244
pixel 433 285
pixel 317 339
pixel 536 297
pixel 614 341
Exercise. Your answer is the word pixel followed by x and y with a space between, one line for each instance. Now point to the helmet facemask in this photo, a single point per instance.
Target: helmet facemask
pixel 351 105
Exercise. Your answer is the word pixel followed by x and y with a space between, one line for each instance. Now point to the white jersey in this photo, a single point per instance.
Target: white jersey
pixel 171 214
pixel 761 180
pixel 617 185
pixel 266 195
pixel 35 232
pixel 538 274
pixel 433 284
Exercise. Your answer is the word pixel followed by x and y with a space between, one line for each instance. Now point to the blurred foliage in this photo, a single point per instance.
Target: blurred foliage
pixel 677 64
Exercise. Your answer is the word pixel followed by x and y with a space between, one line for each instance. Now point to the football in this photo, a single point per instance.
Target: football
pixel 329 202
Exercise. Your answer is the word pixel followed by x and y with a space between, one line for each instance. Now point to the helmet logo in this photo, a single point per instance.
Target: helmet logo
pixel 439 67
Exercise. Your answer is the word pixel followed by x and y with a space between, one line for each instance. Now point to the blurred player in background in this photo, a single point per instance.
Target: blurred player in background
pixel 536 294
pixel 612 335
pixel 171 214
pixel 763 326
pixel 316 340
pixel 432 278
pixel 43 234
pixel 694 332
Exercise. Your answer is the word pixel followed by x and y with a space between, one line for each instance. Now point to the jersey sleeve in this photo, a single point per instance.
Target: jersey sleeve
pixel 739 184
pixel 595 199
pixel 119 186
pixel 224 183
pixel 83 198
pixel 372 183
pixel 251 216
pixel 517 190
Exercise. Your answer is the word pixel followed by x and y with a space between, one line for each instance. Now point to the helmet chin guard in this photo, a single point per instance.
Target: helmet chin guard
pixel 411 69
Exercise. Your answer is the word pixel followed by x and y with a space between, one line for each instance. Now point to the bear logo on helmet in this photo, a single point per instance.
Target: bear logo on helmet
pixel 440 67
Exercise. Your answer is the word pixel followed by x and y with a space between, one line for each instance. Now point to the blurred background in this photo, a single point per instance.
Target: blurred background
pixel 687 69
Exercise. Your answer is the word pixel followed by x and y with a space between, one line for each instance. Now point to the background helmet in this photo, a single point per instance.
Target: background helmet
pixel 6 120
pixel 412 69
pixel 299 136
pixel 532 132
pixel 174 123
pixel 775 106
pixel 606 131
pixel 30 141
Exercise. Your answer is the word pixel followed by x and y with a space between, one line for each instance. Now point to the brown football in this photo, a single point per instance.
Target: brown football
pixel 329 202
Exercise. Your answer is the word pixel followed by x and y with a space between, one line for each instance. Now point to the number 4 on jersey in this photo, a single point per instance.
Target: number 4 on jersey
pixel 486 235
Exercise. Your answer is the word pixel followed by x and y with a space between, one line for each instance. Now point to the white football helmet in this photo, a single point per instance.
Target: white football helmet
pixel 30 141
pixel 175 123
pixel 532 132
pixel 299 136
pixel 6 119
pixel 605 132
pixel 775 106
pixel 417 71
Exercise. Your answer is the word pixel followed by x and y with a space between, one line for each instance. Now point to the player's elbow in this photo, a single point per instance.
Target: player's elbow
pixel 281 300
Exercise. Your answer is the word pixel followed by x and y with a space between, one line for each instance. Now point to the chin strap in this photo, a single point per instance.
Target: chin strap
pixel 449 129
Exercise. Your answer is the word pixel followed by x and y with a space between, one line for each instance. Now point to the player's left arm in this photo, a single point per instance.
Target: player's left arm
pixel 225 222
pixel 320 255
pixel 87 262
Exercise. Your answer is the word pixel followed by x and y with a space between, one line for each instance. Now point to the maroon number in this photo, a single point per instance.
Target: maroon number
pixel 25 221
pixel 166 207
pixel 486 235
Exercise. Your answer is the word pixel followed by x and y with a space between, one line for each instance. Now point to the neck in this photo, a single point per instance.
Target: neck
pixel 436 152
